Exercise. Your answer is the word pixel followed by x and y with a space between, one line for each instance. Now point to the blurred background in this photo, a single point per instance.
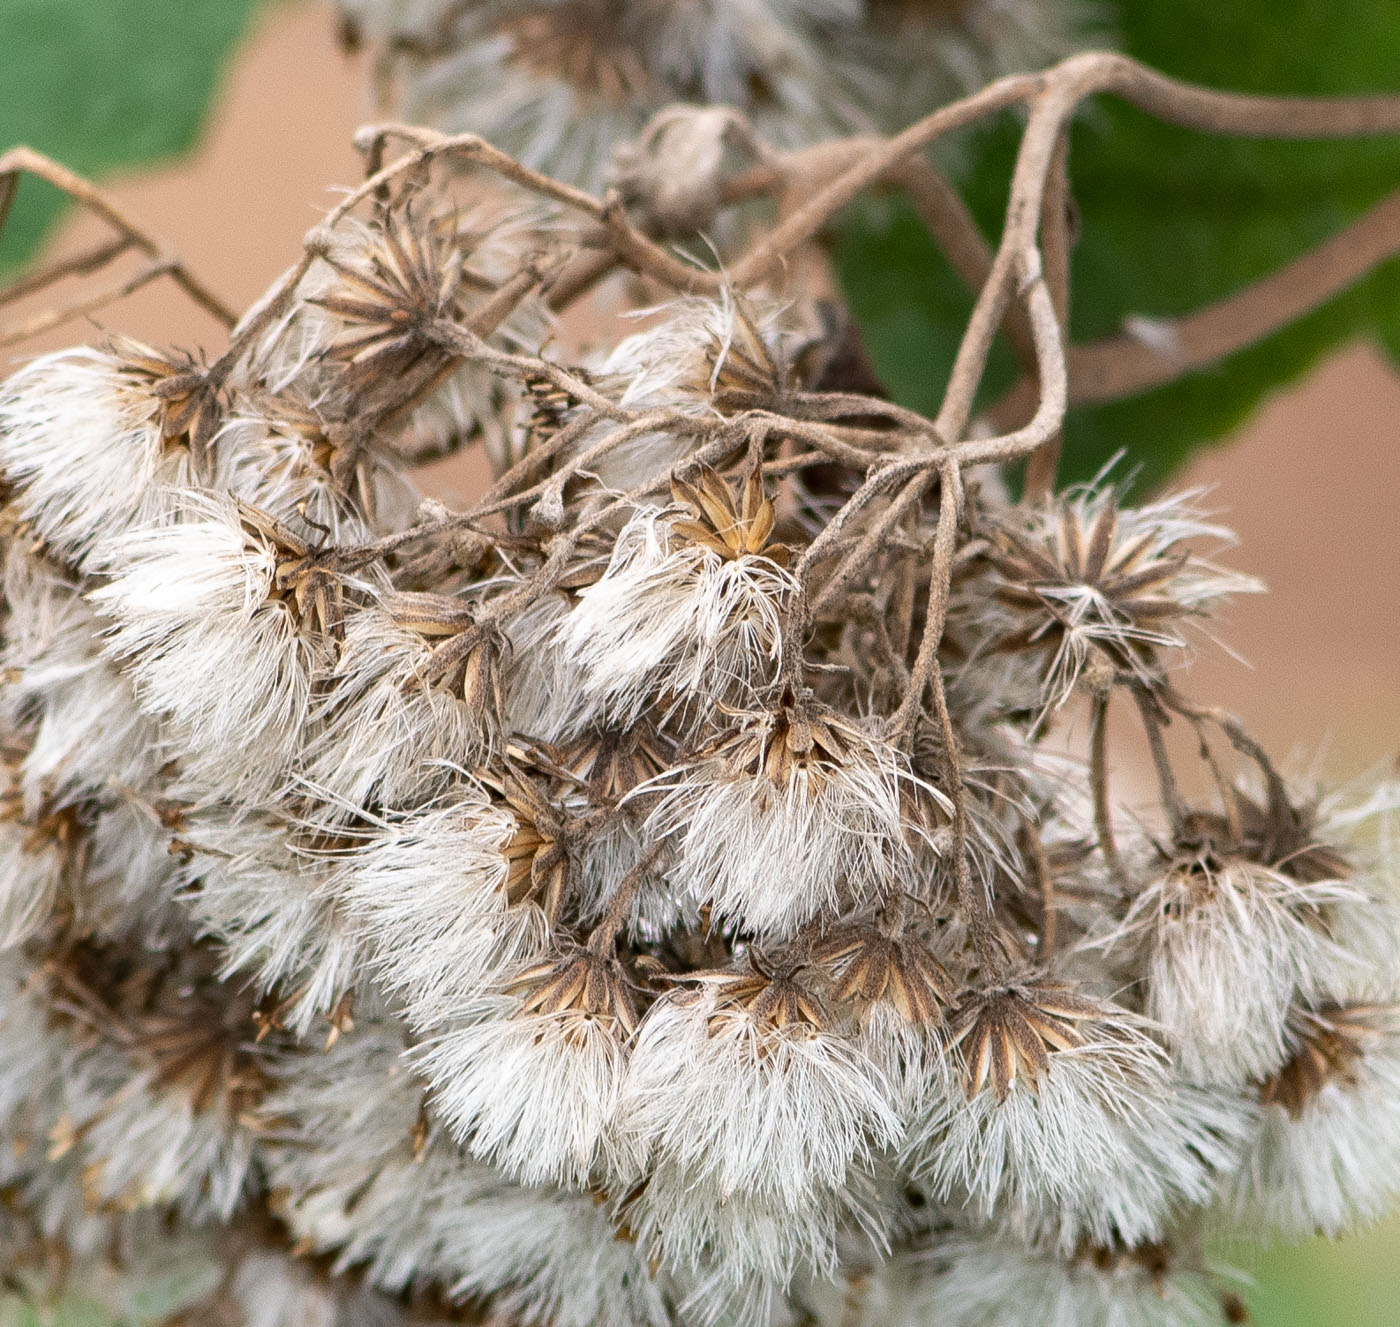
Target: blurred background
pixel 1311 482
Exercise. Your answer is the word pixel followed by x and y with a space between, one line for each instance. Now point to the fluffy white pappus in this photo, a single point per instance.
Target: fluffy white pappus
pixel 769 849
pixel 683 361
pixel 81 441
pixel 130 880
pixel 253 883
pixel 732 1259
pixel 1330 1161
pixel 545 1257
pixel 31 1069
pixel 146 1145
pixel 270 1290
pixel 364 1172
pixel 429 893
pixel 740 1107
pixel 1103 1147
pixel 37 859
pixel 671 618
pixel 84 730
pixel 543 681
pixel 534 1093
pixel 1363 822
pixel 283 465
pixel 1132 602
pixel 335 1117
pixel 1224 954
pixel 971 1282
pixel 210 647
pixel 911 1056
pixel 382 735
pixel 657 910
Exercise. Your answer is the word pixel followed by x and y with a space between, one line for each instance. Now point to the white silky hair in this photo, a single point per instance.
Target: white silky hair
pixel 209 650
pixel 31 1067
pixel 613 849
pixel 768 856
pixel 1334 1167
pixel 995 1283
pixel 410 1218
pixel 428 892
pixel 82 443
pixel 272 908
pixel 677 619
pixel 677 362
pixel 543 681
pixel 744 1109
pixel 274 1290
pixel 1227 955
pixel 144 1144
pixel 32 872
pixel 716 1246
pixel 532 1093
pixel 271 466
pixel 1103 1147
pixel 381 735
pixel 365 1173
pixel 545 1256
pixel 130 881
pixel 85 733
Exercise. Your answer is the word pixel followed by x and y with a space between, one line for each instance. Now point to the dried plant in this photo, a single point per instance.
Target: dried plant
pixel 649 895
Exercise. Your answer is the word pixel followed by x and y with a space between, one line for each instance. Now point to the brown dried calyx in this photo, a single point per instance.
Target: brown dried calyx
pixel 872 967
pixel 773 994
pixel 1273 833
pixel 612 762
pixel 467 660
pixel 1010 1031
pixel 410 278
pixel 540 856
pixel 306 579
pixel 586 983
pixel 800 736
pixel 190 406
pixel 1329 1045
pixel 1127 580
pixel 733 530
pixel 169 1012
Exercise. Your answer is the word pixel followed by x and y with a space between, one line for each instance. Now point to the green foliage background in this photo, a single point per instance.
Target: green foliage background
pixel 100 84
pixel 1171 220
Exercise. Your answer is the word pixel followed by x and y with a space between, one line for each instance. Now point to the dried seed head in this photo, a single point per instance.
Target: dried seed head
pixel 733 530
pixel 871 966
pixel 1012 1031
pixel 1084 580
pixel 190 406
pixel 409 276
pixel 1328 1046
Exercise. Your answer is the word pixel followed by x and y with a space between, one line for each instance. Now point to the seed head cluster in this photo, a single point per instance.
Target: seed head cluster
pixel 647 896
pixel 561 84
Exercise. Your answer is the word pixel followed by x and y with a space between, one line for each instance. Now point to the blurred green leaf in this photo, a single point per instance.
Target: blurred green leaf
pixel 1172 220
pixel 100 84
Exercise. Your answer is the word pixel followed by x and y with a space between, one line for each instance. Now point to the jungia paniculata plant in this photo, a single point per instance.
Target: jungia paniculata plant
pixel 662 892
